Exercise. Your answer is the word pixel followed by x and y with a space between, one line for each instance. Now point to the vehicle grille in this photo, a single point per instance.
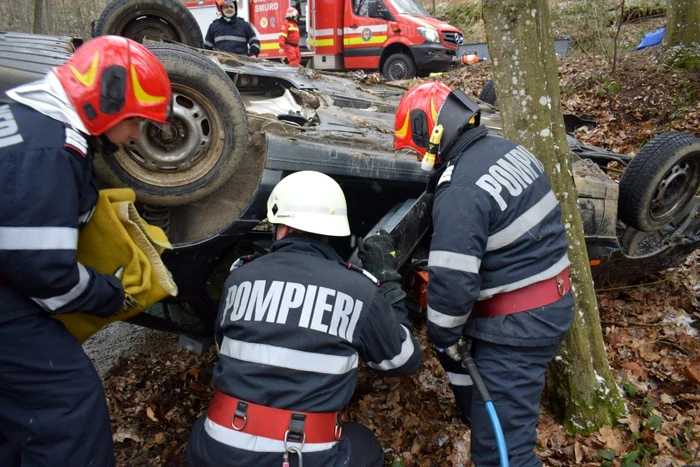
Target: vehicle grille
pixel 451 38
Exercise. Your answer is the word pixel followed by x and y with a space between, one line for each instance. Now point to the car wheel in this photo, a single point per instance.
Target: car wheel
pixel 660 181
pixel 488 92
pixel 155 19
pixel 190 159
pixel 398 66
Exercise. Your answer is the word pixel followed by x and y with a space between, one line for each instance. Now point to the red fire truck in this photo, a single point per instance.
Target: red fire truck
pixel 397 37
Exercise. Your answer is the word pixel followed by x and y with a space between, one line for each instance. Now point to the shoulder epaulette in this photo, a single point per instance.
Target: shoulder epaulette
pixel 76 141
pixel 446 176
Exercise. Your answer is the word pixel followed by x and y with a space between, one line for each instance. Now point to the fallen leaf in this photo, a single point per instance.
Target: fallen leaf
pixel 150 414
pixel 120 436
pixel 159 438
pixel 692 371
pixel 610 438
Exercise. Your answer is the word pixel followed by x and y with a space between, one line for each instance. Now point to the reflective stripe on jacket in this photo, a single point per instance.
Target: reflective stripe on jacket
pixel 234 36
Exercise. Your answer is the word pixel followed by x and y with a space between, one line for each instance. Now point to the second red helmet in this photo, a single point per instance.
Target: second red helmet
pixel 429 104
pixel 111 78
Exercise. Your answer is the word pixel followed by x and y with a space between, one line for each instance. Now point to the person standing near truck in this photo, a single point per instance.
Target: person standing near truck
pixel 52 404
pixel 231 33
pixel 289 37
pixel 292 326
pixel 498 267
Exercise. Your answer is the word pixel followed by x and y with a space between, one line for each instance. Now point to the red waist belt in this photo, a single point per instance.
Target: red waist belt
pixel 533 296
pixel 268 422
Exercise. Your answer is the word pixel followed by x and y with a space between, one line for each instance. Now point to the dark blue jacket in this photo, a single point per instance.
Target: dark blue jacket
pixel 235 36
pixel 47 193
pixel 291 330
pixel 496 229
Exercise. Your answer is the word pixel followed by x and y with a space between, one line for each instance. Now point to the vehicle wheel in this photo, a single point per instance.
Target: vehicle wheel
pixel 488 92
pixel 183 162
pixel 660 181
pixel 398 66
pixel 155 19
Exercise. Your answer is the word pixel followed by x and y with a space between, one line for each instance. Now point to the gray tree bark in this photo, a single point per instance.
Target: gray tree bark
pixel 39 25
pixel 584 393
pixel 683 23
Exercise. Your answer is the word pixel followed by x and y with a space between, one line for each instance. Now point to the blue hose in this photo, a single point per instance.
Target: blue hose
pixel 468 363
pixel 498 431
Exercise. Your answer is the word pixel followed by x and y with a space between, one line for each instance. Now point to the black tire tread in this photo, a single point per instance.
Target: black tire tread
pixel 174 9
pixel 406 58
pixel 488 92
pixel 639 174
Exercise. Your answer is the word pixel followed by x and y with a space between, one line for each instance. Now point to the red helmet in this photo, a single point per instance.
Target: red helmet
pixel 426 105
pixel 220 4
pixel 112 78
pixel 291 12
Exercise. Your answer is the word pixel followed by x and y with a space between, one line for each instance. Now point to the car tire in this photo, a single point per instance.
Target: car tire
pixel 155 19
pixel 196 155
pixel 660 181
pixel 398 66
pixel 488 92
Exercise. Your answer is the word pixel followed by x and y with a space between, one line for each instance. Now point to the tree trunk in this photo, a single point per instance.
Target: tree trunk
pixel 519 34
pixel 39 27
pixel 683 24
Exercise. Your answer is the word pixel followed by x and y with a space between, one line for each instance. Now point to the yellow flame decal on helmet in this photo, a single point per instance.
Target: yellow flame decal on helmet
pixel 87 78
pixel 141 95
pixel 433 110
pixel 403 131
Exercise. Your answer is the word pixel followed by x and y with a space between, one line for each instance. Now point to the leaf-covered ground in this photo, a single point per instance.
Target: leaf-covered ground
pixel 155 397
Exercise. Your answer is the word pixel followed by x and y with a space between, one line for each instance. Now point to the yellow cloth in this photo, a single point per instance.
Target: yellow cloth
pixel 116 236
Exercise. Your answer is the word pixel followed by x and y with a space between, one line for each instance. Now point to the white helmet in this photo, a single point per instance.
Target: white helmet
pixel 309 201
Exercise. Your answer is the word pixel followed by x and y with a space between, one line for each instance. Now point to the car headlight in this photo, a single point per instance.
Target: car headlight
pixel 429 34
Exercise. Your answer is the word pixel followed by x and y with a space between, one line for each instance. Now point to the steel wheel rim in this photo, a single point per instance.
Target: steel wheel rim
pixel 400 67
pixel 674 190
pixel 181 153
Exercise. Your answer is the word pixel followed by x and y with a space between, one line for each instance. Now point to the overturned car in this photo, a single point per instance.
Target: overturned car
pixel 240 125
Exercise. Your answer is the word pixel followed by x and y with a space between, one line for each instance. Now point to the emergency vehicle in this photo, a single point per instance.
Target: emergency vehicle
pixel 397 37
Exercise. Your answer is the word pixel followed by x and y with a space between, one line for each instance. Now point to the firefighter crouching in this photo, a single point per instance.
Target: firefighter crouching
pixel 289 37
pixel 292 326
pixel 498 267
pixel 52 405
pixel 231 33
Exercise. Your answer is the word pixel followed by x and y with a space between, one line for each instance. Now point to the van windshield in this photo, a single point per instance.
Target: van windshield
pixel 409 7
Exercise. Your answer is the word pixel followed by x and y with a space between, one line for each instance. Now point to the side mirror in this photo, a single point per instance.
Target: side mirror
pixel 373 9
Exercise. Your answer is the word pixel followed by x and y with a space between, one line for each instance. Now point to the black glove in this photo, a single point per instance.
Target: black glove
pixel 129 301
pixel 378 258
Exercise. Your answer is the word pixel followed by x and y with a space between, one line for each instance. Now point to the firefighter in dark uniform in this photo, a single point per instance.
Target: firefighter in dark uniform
pixel 289 37
pixel 292 327
pixel 52 405
pixel 498 267
pixel 230 33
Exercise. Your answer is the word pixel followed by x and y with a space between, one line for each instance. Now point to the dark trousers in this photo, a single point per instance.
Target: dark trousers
pixel 514 376
pixel 53 411
pixel 358 448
